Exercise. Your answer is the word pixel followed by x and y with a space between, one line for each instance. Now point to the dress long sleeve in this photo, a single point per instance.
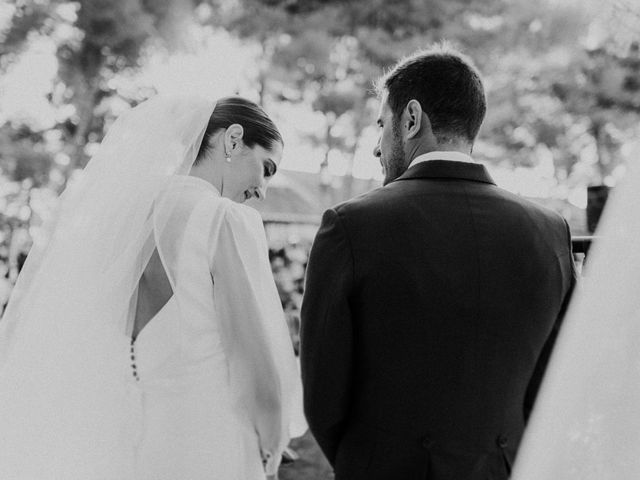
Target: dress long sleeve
pixel 262 367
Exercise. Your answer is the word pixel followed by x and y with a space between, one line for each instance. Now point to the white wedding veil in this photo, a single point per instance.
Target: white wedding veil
pixel 62 335
pixel 586 421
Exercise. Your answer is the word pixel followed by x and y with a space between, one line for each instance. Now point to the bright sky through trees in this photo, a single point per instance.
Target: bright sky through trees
pixel 215 63
pixel 218 65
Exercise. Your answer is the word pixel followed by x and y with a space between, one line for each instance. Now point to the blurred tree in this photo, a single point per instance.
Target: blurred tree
pixel 388 29
pixel 95 39
pixel 22 156
pixel 379 33
pixel 548 92
pixel 26 18
pixel 306 57
pixel 554 82
pixel 109 37
pixel 259 21
pixel 602 88
pixel 328 53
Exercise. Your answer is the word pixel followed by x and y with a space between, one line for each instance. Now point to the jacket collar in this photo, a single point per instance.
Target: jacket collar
pixel 474 172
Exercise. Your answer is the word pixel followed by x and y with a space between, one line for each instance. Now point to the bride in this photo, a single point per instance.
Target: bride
pixel 145 338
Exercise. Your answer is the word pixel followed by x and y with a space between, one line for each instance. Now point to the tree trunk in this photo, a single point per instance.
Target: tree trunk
pixel 262 86
pixel 86 105
pixel 347 187
pixel 85 84
pixel 264 63
pixel 597 131
pixel 326 183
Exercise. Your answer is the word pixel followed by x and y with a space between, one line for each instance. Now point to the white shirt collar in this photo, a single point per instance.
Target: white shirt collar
pixel 452 156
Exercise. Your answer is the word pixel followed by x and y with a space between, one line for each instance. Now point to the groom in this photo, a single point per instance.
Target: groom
pixel 431 303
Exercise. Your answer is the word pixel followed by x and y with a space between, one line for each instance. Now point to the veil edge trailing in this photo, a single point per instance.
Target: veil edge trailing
pixel 586 421
pixel 63 334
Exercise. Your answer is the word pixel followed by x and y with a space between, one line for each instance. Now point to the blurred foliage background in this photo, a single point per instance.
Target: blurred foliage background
pixel 562 77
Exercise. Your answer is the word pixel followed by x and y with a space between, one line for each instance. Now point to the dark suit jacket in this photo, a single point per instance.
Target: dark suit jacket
pixel 430 309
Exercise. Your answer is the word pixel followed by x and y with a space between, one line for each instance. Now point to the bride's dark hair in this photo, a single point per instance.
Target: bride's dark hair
pixel 259 129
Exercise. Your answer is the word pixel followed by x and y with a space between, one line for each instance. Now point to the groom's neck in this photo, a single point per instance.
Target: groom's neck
pixel 462 147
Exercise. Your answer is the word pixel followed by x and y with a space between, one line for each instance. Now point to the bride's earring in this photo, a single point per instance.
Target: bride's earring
pixel 227 157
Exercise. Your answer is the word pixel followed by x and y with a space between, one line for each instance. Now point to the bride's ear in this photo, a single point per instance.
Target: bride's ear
pixel 233 137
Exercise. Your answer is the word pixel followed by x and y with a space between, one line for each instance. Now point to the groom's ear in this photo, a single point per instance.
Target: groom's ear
pixel 233 136
pixel 413 119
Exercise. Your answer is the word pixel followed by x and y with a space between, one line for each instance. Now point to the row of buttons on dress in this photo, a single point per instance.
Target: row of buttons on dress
pixel 133 360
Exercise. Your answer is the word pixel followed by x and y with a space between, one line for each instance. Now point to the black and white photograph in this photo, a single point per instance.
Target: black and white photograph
pixel 319 240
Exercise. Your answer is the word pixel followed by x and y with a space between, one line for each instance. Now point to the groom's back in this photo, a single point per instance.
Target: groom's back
pixel 457 286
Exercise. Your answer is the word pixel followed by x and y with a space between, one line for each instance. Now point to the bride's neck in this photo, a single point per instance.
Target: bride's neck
pixel 209 172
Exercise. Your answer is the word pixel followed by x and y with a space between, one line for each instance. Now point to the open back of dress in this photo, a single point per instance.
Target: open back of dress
pixel 153 293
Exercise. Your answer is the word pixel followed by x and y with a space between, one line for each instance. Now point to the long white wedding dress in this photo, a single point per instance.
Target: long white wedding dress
pixel 205 389
pixel 186 422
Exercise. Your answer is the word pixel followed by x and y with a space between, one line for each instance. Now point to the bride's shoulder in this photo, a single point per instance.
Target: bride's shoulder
pixel 204 197
pixel 239 213
pixel 193 197
pixel 242 219
pixel 188 207
pixel 185 193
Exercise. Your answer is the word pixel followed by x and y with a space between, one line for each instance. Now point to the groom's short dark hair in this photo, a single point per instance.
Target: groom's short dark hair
pixel 447 85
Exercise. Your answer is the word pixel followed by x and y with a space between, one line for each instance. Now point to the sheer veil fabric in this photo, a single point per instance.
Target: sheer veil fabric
pixel 586 422
pixel 63 397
